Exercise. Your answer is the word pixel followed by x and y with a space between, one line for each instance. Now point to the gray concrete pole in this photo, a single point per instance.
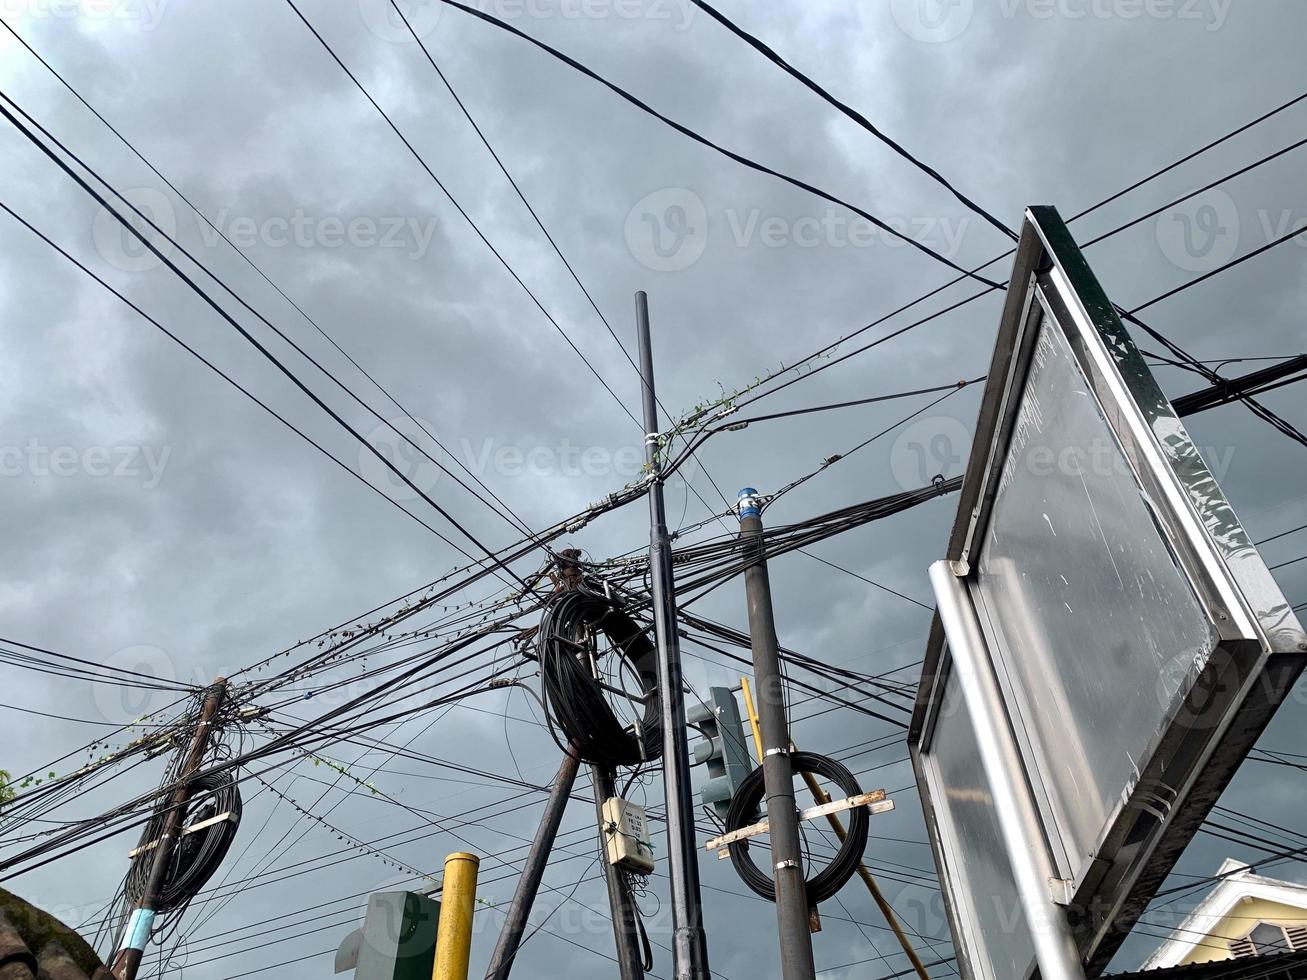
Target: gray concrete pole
pixel 778 776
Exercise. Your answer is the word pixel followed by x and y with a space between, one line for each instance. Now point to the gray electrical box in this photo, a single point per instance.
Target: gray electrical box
pixel 397 941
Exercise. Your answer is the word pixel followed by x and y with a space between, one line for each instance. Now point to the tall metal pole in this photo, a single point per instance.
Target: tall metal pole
pixel 132 947
pixel 778 776
pixel 626 929
pixel 1032 865
pixel 528 886
pixel 689 947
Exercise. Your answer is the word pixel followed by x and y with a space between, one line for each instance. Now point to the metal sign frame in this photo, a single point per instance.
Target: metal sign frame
pixel 1257 644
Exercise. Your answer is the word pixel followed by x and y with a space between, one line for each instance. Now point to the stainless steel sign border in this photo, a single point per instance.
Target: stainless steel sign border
pixel 1258 653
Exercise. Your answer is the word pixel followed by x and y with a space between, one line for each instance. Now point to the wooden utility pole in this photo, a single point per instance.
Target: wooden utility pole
pixel 141 923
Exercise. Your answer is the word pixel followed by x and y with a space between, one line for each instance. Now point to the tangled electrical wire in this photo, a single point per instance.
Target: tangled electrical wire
pixel 575 696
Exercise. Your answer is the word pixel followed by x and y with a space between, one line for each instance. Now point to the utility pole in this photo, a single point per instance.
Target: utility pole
pixel 528 886
pixel 689 947
pixel 819 797
pixel 778 776
pixel 139 926
pixel 626 929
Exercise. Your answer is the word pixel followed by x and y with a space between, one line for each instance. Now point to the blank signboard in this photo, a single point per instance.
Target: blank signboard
pixel 1138 640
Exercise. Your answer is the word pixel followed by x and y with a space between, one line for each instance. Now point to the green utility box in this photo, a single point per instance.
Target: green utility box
pixel 399 937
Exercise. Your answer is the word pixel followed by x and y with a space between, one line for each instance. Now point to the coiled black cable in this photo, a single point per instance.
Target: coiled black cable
pixel 574 697
pixel 827 883
pixel 197 855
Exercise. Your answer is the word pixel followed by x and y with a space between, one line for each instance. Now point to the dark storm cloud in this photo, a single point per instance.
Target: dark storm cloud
pixel 248 540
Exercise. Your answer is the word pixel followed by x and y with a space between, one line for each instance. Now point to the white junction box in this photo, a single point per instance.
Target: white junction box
pixel 626 834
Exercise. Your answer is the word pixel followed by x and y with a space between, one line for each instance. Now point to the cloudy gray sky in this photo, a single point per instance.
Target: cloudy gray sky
pixel 155 519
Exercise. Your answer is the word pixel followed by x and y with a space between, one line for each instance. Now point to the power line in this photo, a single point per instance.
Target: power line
pixel 439 183
pixel 940 289
pixel 220 372
pixel 1223 268
pixel 705 141
pixel 263 275
pixel 263 350
pixel 1282 534
pixel 548 236
pixel 770 54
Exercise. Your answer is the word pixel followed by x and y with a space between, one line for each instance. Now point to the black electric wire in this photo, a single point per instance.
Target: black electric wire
pixel 131 676
pixel 263 275
pixel 263 350
pixel 138 235
pixel 940 289
pixel 549 237
pixel 197 855
pixel 744 811
pixel 1282 534
pixel 1191 156
pixel 1191 195
pixel 705 141
pixel 574 699
pixel 480 234
pixel 753 165
pixel 220 372
pixel 1240 260
pixel 771 55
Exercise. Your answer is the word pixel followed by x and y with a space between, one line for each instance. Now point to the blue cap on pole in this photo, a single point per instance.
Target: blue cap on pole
pixel 749 504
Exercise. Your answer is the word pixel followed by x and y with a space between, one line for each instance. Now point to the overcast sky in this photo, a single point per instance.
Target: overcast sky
pixel 155 519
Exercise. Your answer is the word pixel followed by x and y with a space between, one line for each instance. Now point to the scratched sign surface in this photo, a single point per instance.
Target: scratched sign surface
pixel 1099 630
pixel 1139 641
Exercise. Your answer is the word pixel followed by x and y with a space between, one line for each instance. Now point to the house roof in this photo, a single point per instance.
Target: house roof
pixel 1290 966
pixel 36 944
pixel 1235 881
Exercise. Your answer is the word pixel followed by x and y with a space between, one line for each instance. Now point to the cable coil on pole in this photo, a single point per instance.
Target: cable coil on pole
pixel 826 883
pixel 199 854
pixel 575 697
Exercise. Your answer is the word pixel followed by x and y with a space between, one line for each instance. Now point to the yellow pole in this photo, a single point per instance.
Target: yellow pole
pixel 820 796
pixel 457 902
pixel 753 716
